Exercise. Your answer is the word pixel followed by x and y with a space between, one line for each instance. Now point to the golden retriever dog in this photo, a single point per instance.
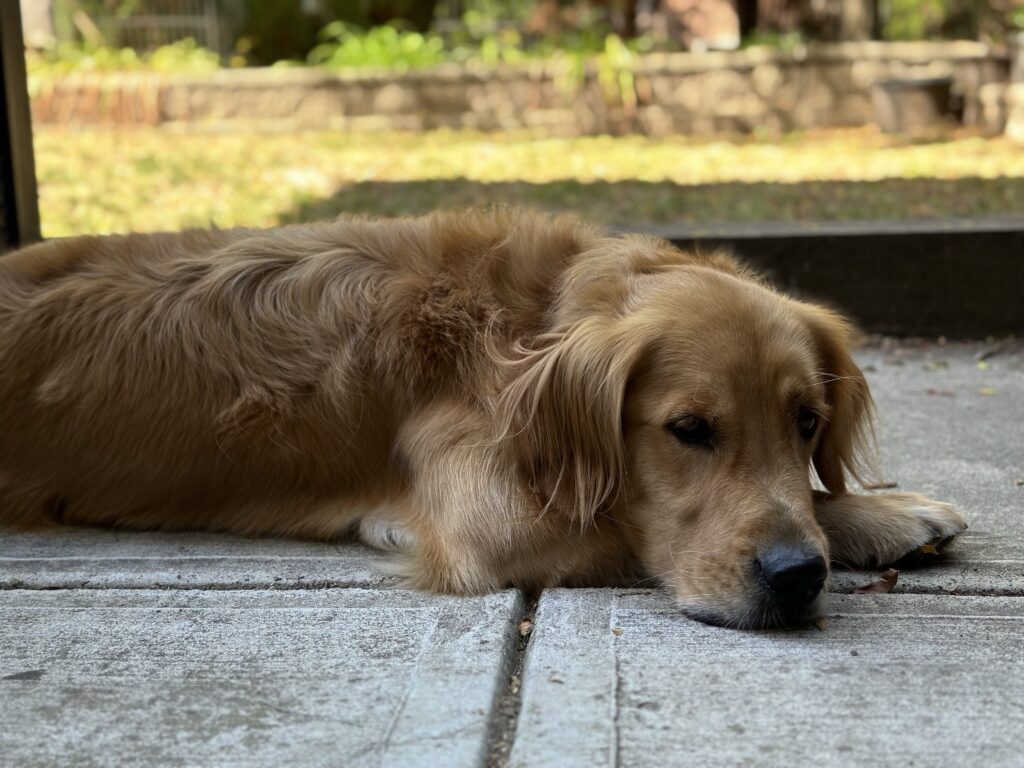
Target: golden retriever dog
pixel 508 398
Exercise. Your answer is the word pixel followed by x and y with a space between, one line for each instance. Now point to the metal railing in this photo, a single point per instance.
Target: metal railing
pixel 152 23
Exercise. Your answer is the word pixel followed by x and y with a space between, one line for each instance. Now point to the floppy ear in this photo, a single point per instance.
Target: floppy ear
pixel 564 410
pixel 846 447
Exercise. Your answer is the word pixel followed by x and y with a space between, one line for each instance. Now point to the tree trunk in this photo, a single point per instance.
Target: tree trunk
pixel 857 19
pixel 747 12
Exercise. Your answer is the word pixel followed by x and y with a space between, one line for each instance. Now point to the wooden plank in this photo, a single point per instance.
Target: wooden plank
pixel 18 194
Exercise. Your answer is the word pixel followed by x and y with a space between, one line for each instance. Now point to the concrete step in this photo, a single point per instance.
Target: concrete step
pixel 929 277
pixel 330 677
pixel 96 559
pixel 951 426
pixel 620 678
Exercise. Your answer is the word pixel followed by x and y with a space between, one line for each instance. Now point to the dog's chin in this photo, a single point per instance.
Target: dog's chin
pixel 755 614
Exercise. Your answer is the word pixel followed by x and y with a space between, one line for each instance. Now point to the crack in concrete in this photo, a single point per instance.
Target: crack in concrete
pixel 616 697
pixel 505 713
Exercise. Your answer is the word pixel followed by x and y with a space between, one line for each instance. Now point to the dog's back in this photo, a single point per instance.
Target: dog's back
pixel 232 379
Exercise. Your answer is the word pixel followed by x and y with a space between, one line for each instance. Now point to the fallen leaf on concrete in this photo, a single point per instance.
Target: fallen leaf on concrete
pixel 617 631
pixel 884 585
pixel 881 486
pixel 525 627
pixel 991 349
pixel 936 365
pixel 988 391
pixel 999 347
pixel 821 623
pixel 929 549
pixel 940 392
pixel 983 366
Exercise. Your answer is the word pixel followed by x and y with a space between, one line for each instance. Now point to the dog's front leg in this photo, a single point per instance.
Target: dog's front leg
pixel 869 530
pixel 386 534
pixel 472 526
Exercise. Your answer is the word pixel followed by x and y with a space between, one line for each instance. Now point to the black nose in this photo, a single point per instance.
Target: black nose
pixel 791 573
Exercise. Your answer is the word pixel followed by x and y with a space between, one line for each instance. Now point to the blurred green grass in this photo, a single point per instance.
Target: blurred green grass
pixel 99 181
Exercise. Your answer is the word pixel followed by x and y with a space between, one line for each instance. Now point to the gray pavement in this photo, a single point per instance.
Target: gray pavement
pixel 169 649
pixel 325 677
pixel 94 559
pixel 619 677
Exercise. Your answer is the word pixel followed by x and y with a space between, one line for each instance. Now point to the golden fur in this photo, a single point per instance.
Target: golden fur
pixel 495 391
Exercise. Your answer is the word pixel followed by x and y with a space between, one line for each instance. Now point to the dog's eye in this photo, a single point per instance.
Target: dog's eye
pixel 807 423
pixel 692 430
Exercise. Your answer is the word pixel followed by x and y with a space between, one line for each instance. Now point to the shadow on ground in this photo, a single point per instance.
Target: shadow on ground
pixel 632 203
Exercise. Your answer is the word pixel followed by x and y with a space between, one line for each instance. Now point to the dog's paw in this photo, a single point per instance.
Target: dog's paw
pixel 879 529
pixel 916 521
pixel 386 535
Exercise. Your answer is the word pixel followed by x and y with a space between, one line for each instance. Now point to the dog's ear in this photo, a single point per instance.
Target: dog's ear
pixel 846 447
pixel 563 409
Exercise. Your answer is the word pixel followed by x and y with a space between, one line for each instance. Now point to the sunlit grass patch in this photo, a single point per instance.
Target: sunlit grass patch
pixel 146 179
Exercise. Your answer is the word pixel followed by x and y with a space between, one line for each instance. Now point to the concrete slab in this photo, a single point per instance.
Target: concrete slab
pixel 954 430
pixel 250 678
pixel 96 559
pixel 621 678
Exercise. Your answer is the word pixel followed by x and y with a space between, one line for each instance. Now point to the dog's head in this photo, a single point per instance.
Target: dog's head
pixel 688 402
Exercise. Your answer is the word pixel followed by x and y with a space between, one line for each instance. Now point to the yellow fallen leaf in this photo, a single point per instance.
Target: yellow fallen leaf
pixel 987 391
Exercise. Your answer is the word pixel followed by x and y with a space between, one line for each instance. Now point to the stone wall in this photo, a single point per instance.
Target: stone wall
pixel 820 86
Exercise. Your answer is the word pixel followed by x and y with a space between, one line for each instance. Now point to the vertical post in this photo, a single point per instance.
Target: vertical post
pixel 856 19
pixel 214 37
pixel 18 196
pixel 747 11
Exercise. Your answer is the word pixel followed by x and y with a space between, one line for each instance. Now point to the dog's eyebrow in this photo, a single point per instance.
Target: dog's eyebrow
pixel 816 379
pixel 797 393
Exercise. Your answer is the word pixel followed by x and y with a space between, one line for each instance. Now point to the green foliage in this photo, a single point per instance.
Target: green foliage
pixel 182 56
pixel 914 19
pixel 1015 18
pixel 345 46
pixel 276 30
pixel 950 19
pixel 783 41
pixel 480 40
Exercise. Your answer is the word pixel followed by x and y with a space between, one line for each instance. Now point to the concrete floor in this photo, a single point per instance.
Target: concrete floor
pixel 145 649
